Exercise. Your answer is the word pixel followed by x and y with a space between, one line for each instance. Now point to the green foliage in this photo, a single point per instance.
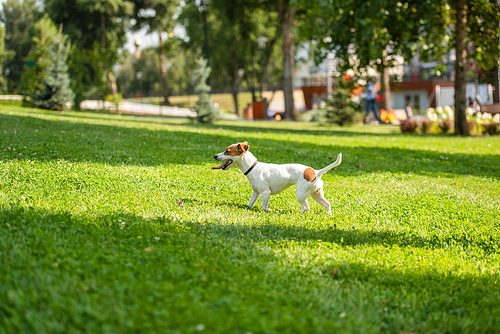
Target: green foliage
pixel 161 22
pixel 19 18
pixel 80 69
pixel 491 128
pixel 96 55
pixel 106 222
pixel 97 28
pixel 45 36
pixel 182 63
pixel 48 83
pixel 445 126
pixel 341 109
pixel 368 29
pixel 163 18
pixel 426 126
pixel 205 110
pixel 116 99
pixel 232 30
pixel 483 32
pixel 140 75
pixel 5 55
pixel 88 21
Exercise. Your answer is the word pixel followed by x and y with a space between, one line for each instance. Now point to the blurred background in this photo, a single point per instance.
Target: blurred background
pixel 263 59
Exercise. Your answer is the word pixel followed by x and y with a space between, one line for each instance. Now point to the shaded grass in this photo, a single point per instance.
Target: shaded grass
pixel 117 224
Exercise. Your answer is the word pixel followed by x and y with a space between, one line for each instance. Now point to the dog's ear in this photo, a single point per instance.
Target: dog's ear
pixel 243 147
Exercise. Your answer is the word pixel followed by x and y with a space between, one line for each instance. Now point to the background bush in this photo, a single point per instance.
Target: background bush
pixel 408 126
pixel 341 109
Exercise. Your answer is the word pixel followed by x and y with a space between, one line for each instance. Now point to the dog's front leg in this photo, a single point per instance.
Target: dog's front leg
pixel 265 200
pixel 255 196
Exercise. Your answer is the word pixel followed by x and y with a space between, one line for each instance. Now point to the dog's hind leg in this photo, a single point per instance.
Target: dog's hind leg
pixel 319 197
pixel 255 196
pixel 302 198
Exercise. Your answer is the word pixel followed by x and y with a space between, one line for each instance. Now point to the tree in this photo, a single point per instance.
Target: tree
pixel 205 110
pixel 157 16
pixel 340 108
pixel 483 31
pixel 476 25
pixel 48 82
pixel 360 32
pixel 38 57
pixel 82 74
pixel 140 75
pixel 5 55
pixel 232 28
pixel 18 18
pixel 287 11
pixel 461 127
pixel 287 15
pixel 363 34
pixel 219 28
pixel 97 27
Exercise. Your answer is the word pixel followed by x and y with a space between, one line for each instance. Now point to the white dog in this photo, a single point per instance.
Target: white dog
pixel 270 179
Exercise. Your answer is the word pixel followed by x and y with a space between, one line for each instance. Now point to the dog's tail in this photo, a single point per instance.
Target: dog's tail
pixel 327 168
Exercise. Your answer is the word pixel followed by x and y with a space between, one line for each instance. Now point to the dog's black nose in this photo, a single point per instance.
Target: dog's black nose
pixel 215 156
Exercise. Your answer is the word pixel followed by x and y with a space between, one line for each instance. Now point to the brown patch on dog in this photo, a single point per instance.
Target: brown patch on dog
pixel 237 149
pixel 309 175
pixel 243 146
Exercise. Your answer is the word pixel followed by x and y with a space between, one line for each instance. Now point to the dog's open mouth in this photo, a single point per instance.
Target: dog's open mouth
pixel 225 165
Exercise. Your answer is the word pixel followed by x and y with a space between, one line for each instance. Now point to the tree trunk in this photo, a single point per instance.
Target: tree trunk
pixel 111 77
pixel 205 36
pixel 287 15
pixel 476 83
pixel 112 80
pixel 496 92
pixel 386 83
pixel 236 82
pixel 163 73
pixel 251 78
pixel 235 99
pixel 461 127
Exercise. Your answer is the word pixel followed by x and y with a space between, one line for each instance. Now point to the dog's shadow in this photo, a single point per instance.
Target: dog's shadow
pixel 255 208
pixel 204 203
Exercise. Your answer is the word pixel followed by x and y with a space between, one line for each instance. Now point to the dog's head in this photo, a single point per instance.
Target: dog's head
pixel 232 154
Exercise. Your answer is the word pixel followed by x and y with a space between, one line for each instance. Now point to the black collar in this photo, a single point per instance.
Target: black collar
pixel 250 169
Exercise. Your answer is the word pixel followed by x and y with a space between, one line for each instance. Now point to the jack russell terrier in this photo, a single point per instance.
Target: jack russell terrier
pixel 270 179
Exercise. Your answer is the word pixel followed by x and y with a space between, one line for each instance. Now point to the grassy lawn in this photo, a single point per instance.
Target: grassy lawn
pixel 225 100
pixel 117 224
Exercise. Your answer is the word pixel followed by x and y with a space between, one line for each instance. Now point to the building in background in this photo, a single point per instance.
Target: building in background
pixel 415 81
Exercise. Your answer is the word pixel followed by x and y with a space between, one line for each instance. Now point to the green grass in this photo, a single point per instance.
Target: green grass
pixel 225 100
pixel 117 224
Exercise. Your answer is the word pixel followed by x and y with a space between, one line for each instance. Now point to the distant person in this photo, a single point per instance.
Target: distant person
pixel 471 103
pixel 409 110
pixel 371 104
